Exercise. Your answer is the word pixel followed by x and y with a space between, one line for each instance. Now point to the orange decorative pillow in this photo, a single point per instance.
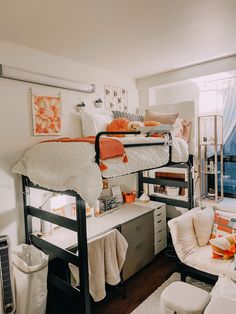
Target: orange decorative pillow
pixel 224 247
pixel 118 125
pixel 151 123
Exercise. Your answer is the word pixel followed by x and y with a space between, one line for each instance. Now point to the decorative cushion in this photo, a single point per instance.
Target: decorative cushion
pixel 224 247
pixel 177 127
pixel 182 128
pixel 151 123
pixel 186 130
pixel 203 222
pixel 163 118
pixel 92 123
pixel 224 223
pixel 118 125
pixel 128 115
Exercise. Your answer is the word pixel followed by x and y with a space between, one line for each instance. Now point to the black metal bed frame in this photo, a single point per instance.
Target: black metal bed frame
pixel 68 256
pixel 79 225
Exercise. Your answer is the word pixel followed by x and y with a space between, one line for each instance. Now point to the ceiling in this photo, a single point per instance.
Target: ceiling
pixel 133 37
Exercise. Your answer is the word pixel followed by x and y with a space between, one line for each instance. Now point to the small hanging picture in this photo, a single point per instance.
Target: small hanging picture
pixel 116 98
pixel 46 115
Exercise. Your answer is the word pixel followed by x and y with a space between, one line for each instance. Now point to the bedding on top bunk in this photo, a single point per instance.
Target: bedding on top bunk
pixel 71 165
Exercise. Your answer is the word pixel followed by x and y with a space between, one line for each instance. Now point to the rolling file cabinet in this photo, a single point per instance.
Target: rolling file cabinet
pixel 160 232
pixel 139 234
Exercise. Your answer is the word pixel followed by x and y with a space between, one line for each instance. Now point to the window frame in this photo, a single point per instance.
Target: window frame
pixel 228 158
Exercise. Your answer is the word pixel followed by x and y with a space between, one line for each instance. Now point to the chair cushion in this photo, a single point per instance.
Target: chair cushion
pixel 183 233
pixel 184 298
pixel 203 223
pixel 201 258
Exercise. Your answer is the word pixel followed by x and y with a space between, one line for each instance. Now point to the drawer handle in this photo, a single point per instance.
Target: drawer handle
pixel 159 214
pixel 159 221
pixel 139 227
pixel 159 241
pixel 139 244
pixel 159 231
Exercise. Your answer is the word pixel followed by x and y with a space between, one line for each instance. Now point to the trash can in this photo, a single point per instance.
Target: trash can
pixel 30 269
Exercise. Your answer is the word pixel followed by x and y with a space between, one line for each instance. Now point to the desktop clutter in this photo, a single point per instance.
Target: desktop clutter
pixel 106 204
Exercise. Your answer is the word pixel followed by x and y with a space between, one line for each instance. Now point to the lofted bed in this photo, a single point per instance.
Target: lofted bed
pixel 73 168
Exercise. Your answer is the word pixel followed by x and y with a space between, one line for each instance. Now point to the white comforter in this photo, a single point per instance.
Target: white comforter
pixel 145 157
pixel 63 166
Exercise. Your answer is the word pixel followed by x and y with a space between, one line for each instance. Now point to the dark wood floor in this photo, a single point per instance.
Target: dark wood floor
pixel 138 288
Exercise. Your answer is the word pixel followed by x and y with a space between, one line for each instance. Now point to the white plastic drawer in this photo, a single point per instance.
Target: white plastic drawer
pixel 160 244
pixel 160 233
pixel 159 224
pixel 160 213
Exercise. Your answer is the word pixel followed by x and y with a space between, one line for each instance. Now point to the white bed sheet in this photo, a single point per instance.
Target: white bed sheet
pixel 62 166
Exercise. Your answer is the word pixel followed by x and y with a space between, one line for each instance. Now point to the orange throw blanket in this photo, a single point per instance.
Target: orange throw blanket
pixel 109 147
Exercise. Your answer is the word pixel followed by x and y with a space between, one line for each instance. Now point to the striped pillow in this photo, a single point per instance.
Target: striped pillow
pixel 224 224
pixel 128 115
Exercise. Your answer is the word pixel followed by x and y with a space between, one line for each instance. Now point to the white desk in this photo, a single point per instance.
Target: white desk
pixel 65 238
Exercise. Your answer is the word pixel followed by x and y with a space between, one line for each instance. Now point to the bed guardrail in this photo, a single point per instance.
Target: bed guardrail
pixel 98 136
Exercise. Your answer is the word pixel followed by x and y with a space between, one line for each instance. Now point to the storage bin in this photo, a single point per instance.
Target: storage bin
pixel 172 191
pixel 30 269
pixel 129 197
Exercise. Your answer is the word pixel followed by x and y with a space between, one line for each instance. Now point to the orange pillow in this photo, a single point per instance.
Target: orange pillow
pixel 151 123
pixel 118 125
pixel 224 247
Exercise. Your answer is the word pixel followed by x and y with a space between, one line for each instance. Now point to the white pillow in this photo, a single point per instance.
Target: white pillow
pixel 203 222
pixel 92 123
pixel 178 127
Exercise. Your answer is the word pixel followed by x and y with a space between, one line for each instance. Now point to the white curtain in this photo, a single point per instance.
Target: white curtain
pixel 229 99
pixel 228 89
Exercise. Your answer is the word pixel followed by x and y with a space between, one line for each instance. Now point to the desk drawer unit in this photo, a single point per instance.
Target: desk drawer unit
pixel 160 236
pixel 139 234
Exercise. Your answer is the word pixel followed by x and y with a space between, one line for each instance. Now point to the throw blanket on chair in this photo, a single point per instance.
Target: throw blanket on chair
pixel 106 256
pixel 109 147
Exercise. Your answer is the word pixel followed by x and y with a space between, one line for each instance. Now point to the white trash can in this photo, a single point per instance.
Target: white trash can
pixel 30 269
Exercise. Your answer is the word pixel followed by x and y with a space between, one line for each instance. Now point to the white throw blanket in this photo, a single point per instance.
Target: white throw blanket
pixel 106 256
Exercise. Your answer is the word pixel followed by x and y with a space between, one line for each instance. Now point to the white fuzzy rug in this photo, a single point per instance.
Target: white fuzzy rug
pixel 152 304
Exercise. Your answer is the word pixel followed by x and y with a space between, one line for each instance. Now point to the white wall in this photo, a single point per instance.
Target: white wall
pixel 16 121
pixel 172 94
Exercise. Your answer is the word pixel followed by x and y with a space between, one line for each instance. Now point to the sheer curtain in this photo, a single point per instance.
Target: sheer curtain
pixel 228 89
pixel 229 116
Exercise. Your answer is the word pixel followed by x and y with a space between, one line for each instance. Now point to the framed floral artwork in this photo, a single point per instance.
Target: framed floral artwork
pixel 116 98
pixel 46 115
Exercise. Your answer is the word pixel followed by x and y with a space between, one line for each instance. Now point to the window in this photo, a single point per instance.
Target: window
pixel 230 165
